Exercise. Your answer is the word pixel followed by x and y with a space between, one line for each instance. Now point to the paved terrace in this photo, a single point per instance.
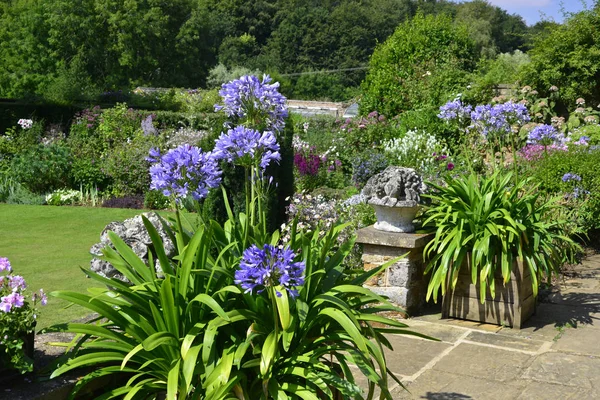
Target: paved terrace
pixel 555 356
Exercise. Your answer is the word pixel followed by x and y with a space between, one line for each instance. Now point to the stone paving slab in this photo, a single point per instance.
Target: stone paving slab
pixel 410 355
pixel 565 369
pixel 484 362
pixel 511 342
pixel 548 391
pixel 444 332
pixel 585 341
pixel 437 385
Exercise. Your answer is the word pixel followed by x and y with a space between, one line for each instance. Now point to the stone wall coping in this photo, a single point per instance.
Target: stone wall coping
pixel 370 235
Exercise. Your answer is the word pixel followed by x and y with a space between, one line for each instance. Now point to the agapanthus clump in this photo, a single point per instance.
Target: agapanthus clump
pixel 270 267
pixel 455 109
pixel 545 135
pixel 258 103
pixel 499 119
pixel 183 171
pixel 242 146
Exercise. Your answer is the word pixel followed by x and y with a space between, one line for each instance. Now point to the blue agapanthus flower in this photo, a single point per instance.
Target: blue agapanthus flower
pixel 183 171
pixel 259 101
pixel 242 146
pixel 455 109
pixel 571 177
pixel 269 267
pixel 500 118
pixel 545 135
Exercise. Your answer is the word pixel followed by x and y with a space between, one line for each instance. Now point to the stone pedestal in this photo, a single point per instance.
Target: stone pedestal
pixel 403 282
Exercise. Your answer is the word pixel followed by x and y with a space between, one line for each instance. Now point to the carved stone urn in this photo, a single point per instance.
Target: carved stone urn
pixel 395 195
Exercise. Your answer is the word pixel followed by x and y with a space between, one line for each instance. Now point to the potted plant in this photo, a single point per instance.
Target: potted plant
pixel 17 323
pixel 493 243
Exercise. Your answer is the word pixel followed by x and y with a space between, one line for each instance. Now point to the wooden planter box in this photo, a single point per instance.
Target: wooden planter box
pixel 512 305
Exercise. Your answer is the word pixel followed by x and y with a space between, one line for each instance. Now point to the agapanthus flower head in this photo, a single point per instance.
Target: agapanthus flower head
pixel 13 300
pixel 183 171
pixel 455 109
pixel 243 146
pixel 269 267
pixel 256 100
pixel 25 123
pixel 5 264
pixel 499 118
pixel 571 177
pixel 545 135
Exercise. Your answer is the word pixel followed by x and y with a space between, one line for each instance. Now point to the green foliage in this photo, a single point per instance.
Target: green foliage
pixel 194 334
pixel 43 168
pixel 125 164
pixel 550 169
pixel 155 200
pixel 420 65
pixel 568 56
pixel 504 69
pixel 487 224
pixel 220 74
pixel 21 195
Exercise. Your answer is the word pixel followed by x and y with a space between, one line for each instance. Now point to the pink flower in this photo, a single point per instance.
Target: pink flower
pixel 450 166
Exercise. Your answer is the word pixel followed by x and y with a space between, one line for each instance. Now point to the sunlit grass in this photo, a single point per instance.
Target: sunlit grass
pixel 49 245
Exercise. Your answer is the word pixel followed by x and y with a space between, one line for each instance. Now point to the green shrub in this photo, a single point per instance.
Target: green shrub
pixel 43 168
pixel 549 171
pixel 126 166
pixel 567 57
pixel 427 60
pixel 21 195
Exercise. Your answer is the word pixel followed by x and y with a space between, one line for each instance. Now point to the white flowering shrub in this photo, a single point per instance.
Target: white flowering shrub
pixel 419 150
pixel 63 197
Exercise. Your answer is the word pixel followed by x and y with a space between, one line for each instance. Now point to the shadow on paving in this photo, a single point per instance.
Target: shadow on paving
pixel 445 396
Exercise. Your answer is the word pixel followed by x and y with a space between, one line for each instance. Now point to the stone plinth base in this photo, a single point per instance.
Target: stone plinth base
pixel 403 282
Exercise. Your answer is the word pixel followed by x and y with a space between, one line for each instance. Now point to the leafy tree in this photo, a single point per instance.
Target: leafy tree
pixel 419 66
pixel 568 57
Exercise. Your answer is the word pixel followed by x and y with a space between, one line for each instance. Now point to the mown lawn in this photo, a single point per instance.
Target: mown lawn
pixel 48 245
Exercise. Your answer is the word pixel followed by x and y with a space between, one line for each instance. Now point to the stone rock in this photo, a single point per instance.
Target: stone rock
pixel 134 234
pixel 395 187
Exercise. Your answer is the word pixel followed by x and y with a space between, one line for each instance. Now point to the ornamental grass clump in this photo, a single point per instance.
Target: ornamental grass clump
pixel 17 319
pixel 493 223
pixel 238 314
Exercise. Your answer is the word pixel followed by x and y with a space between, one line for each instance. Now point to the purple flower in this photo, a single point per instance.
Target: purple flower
pixel 183 171
pixel 148 127
pixel 308 163
pixel 13 300
pixel 41 296
pixel 259 102
pixel 450 166
pixel 5 264
pixel 579 192
pixel 571 177
pixel 454 109
pixel 583 141
pixel 545 135
pixel 242 145
pixel 500 118
pixel 16 283
pixel 269 267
